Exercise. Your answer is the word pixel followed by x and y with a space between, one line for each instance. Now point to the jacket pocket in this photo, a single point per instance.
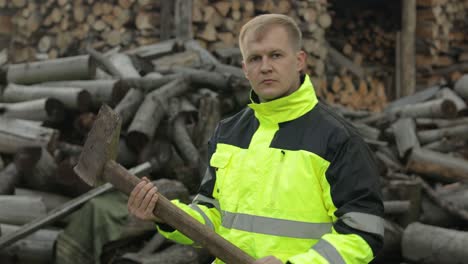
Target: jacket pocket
pixel 220 162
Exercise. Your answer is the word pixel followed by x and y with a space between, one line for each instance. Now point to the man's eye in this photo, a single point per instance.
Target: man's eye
pixel 254 59
pixel 276 55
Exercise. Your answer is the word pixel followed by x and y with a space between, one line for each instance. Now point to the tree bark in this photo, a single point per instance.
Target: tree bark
pixel 70 68
pixel 73 98
pixel 433 245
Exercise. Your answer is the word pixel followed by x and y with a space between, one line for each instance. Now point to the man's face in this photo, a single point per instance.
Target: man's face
pixel 271 64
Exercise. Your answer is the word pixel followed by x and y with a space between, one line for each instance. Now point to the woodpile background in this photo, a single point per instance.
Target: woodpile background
pixel 170 94
pixel 442 50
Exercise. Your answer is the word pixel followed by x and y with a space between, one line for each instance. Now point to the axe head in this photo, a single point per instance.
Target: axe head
pixel 100 146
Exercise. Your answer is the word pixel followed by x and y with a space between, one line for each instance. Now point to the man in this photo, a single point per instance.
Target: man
pixel 288 181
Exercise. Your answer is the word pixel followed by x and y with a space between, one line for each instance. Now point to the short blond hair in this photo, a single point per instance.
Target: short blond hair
pixel 260 24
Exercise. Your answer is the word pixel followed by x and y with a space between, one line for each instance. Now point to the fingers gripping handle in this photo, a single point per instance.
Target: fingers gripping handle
pixel 180 220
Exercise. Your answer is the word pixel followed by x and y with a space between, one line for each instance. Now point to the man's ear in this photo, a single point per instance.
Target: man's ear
pixel 244 69
pixel 301 60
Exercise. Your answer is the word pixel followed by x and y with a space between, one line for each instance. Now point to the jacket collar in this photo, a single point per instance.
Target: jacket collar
pixel 286 108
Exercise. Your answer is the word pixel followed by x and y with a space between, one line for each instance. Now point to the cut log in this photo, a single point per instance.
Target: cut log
pixel 430 244
pixel 16 134
pixel 430 122
pixel 445 145
pixel 149 83
pixel 405 136
pixel 458 132
pixel 433 108
pixel 50 200
pixel 128 106
pixel 70 68
pixel 9 177
pixel 104 63
pixel 433 214
pixel 450 95
pixel 45 109
pixel 36 248
pixel 150 113
pixel 180 134
pixel 126 156
pixel 418 97
pixel 437 165
pixel 392 243
pixel 155 50
pixel 366 131
pixel 37 169
pixel 396 207
pixel 18 210
pixel 461 86
pixel 102 91
pixel 73 98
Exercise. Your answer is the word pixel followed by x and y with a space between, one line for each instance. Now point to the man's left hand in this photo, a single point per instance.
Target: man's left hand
pixel 268 260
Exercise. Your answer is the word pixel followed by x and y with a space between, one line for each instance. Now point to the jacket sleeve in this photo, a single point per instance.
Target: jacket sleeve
pixel 204 207
pixel 353 200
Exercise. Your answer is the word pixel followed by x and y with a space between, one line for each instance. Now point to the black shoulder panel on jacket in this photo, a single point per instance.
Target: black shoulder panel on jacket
pixel 238 129
pixel 318 131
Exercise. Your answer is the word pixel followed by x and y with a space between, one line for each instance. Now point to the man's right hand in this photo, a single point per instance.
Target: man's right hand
pixel 142 201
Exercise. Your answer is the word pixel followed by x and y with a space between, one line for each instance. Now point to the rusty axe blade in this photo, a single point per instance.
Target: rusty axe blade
pixel 100 146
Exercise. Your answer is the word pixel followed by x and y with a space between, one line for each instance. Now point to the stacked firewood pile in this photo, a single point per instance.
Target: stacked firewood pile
pixel 442 54
pixel 361 56
pixel 57 28
pixel 51 29
pixel 420 143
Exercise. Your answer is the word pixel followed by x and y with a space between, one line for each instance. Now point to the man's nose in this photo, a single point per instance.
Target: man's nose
pixel 266 65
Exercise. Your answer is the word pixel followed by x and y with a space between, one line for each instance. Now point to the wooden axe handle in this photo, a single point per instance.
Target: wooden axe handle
pixel 177 218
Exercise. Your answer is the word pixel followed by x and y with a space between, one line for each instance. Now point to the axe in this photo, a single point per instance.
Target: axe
pixel 96 165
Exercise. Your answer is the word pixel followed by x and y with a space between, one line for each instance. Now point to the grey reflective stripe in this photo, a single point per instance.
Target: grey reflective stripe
pixel 274 226
pixel 364 222
pixel 202 198
pixel 329 252
pixel 207 220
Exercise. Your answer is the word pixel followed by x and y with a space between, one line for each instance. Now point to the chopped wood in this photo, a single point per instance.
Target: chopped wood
pixel 71 68
pixel 16 134
pixel 25 209
pixel 437 165
pixel 430 244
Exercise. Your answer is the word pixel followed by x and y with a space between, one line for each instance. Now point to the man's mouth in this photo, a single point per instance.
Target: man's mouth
pixel 268 81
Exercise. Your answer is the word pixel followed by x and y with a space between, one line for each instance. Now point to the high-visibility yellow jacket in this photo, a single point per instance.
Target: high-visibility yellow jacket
pixel 292 179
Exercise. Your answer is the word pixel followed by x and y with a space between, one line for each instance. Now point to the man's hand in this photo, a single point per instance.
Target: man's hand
pixel 142 201
pixel 268 260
